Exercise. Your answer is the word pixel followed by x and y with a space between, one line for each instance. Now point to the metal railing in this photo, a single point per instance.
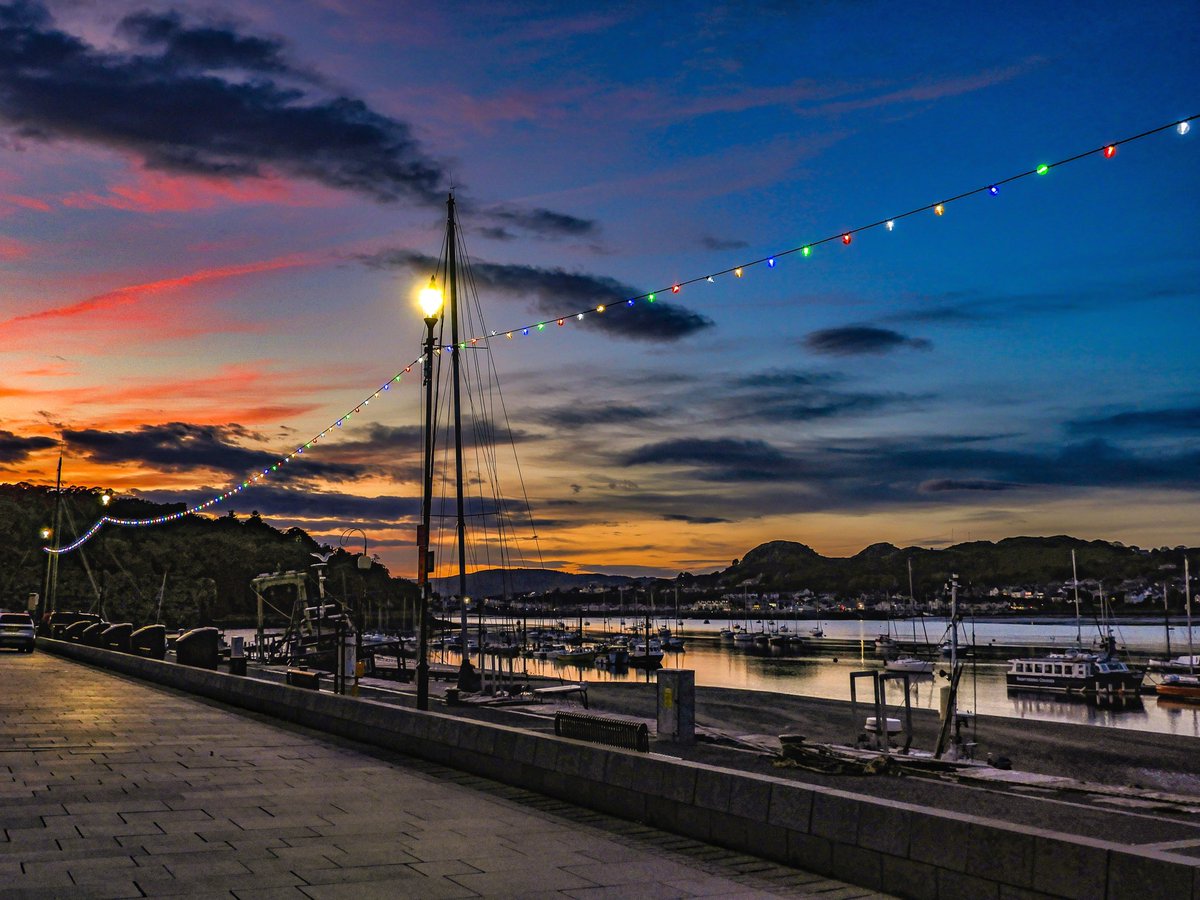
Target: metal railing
pixel 601 730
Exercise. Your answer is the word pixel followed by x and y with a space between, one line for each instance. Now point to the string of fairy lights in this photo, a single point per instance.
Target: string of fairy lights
pixel 805 250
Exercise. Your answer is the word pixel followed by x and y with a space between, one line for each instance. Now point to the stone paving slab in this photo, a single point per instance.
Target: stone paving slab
pixel 111 787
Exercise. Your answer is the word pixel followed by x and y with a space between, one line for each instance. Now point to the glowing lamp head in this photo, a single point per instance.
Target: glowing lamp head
pixel 1110 151
pixel 430 300
pixel 105 498
pixel 847 238
pixel 45 533
pixel 939 209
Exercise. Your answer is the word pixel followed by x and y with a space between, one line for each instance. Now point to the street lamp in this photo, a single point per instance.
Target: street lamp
pixel 430 300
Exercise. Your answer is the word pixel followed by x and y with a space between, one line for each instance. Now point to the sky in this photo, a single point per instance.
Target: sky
pixel 214 219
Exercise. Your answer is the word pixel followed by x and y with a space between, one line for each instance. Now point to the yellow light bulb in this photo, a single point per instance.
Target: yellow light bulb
pixel 430 300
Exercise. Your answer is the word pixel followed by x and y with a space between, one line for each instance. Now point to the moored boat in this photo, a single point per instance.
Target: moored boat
pixel 1180 687
pixel 1073 673
pixel 910 664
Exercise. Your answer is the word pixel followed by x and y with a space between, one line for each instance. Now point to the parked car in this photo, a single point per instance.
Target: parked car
pixel 16 630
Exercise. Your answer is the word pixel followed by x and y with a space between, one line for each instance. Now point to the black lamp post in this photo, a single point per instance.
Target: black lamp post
pixel 431 305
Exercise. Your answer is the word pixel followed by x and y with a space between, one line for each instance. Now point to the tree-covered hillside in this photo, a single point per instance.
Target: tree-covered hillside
pixel 784 565
pixel 202 566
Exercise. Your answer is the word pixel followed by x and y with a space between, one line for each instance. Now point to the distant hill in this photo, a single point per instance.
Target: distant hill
pixel 1013 561
pixel 497 582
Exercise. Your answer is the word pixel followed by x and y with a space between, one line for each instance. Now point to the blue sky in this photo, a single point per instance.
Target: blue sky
pixel 213 217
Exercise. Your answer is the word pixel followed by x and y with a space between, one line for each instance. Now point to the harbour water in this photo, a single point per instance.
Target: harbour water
pixel 807 671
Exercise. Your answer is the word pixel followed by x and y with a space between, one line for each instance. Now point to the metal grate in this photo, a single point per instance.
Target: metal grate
pixel 601 730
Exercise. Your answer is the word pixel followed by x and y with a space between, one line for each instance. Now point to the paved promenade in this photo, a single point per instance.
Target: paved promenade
pixel 110 787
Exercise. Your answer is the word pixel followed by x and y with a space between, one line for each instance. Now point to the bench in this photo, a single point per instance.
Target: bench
pixel 562 690
pixel 602 730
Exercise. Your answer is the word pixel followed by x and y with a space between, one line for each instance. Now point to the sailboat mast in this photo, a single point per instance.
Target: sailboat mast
pixel 1167 617
pixel 1187 602
pixel 452 279
pixel 1075 583
pixel 912 605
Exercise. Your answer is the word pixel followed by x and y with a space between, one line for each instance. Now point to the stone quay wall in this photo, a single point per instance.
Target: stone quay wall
pixel 899 848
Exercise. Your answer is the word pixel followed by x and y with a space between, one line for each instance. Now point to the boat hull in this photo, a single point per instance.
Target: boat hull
pixel 1098 683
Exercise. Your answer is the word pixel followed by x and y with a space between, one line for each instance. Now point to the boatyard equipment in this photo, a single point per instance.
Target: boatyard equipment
pixel 878 723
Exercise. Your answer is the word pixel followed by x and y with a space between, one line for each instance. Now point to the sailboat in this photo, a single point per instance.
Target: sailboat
pixel 908 662
pixel 1076 672
pixel 646 652
pixel 1177 686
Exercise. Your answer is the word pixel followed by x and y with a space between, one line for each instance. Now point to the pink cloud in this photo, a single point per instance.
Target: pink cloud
pixel 154 192
pixel 24 202
pixel 138 307
pixel 11 248
pixel 933 90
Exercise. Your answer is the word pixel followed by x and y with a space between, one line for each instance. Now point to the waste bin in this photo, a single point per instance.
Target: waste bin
pixel 92 634
pixel 198 647
pixel 149 641
pixel 116 637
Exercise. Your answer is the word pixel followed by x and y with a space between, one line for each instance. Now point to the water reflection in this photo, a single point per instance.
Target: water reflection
pixel 805 673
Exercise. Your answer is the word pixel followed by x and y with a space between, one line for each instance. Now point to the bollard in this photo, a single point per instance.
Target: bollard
pixel 677 705
pixel 237 655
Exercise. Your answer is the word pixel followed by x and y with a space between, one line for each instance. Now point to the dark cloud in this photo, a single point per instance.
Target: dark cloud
pixel 274 501
pixel 695 520
pixel 583 416
pixel 722 459
pixel 1146 423
pixel 15 449
pixel 542 222
pixel 854 340
pixel 176 106
pixel 712 243
pixel 204 47
pixel 555 291
pixel 181 447
pixel 496 233
pixel 965 484
pixel 798 396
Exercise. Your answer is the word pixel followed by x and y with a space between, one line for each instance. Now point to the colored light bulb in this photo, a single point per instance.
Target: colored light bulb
pixel 939 210
pixel 847 238
pixel 1110 151
pixel 771 263
pixel 994 190
pixel 600 308
pixel 738 271
pixel 651 297
pixel 629 302
pixel 891 225
pixel 674 289
pixel 710 280
pixel 541 326
pixel 560 321
pixel 807 251
pixel 1043 169
pixel 524 331
pixel 1183 127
